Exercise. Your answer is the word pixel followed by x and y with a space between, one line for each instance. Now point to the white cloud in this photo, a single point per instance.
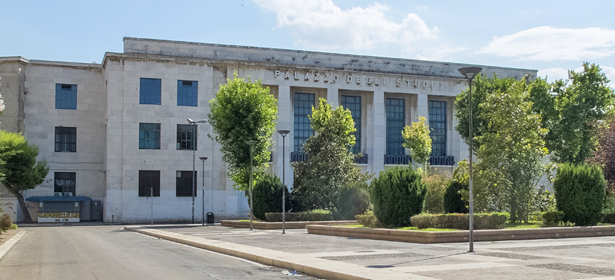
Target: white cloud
pixel 441 53
pixel 548 44
pixel 321 25
pixel 559 73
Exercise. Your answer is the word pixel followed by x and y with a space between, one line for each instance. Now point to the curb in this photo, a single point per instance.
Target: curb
pixel 428 237
pixel 7 246
pixel 278 225
pixel 321 268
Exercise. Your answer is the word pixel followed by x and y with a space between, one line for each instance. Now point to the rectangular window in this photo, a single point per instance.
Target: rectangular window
pixel 66 139
pixel 148 180
pixel 149 91
pixel 353 103
pixel 187 93
pixel 184 183
pixel 437 125
pixel 303 103
pixel 396 120
pixel 64 182
pixel 66 96
pixel 149 136
pixel 185 137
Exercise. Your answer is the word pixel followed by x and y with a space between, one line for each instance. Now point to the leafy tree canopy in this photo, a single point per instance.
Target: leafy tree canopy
pixel 21 169
pixel 243 111
pixel 330 165
pixel 416 138
pixel 572 111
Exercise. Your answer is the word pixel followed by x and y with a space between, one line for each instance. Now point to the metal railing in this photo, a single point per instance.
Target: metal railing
pixel 442 160
pixel 361 159
pixel 298 156
pixel 397 159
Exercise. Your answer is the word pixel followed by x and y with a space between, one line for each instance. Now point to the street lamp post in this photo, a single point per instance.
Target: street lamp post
pixel 470 73
pixel 193 123
pixel 283 133
pixel 203 159
pixel 250 143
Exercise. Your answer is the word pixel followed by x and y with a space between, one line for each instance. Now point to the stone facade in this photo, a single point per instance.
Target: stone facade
pixel 107 160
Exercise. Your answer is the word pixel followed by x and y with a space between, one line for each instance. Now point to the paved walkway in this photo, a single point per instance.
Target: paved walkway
pixel 576 258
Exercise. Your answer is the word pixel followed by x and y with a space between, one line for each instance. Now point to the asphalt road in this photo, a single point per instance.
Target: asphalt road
pixel 109 252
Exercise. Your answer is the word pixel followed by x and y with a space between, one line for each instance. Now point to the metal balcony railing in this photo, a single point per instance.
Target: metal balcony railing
pixel 298 156
pixel 442 160
pixel 397 159
pixel 361 159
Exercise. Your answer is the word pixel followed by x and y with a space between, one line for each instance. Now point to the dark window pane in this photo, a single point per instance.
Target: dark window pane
pixel 148 180
pixel 149 136
pixel 187 93
pixel 66 96
pixel 395 123
pixel 303 103
pixel 353 103
pixel 437 123
pixel 149 91
pixel 64 182
pixel 65 139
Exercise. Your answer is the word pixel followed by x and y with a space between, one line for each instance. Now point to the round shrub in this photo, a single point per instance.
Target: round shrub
pixel 267 196
pixel 579 192
pixel 351 201
pixel 452 198
pixel 397 194
pixel 5 222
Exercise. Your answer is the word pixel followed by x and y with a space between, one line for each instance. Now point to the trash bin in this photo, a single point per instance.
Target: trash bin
pixel 210 218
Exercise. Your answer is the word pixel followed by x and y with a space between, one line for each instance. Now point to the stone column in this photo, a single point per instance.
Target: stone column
pixel 378 123
pixel 422 107
pixel 285 121
pixel 332 97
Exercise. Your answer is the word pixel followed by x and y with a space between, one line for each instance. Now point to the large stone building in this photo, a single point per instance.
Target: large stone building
pixel 115 131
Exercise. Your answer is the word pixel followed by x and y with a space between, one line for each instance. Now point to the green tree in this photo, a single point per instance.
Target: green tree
pixel 416 138
pixel 604 155
pixel 22 170
pixel 573 111
pixel 481 88
pixel 511 151
pixel 243 111
pixel 330 165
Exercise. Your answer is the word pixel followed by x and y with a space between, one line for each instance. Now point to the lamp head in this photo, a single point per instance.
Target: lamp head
pixel 203 158
pixel 283 132
pixel 470 72
pixel 190 121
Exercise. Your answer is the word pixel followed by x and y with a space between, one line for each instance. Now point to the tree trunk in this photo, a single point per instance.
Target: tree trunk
pixel 22 205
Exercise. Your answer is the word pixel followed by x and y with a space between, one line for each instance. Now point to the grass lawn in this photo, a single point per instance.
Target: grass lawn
pixel 532 224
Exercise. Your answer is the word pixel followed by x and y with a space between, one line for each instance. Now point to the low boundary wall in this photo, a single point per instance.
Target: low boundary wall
pixel 414 236
pixel 278 225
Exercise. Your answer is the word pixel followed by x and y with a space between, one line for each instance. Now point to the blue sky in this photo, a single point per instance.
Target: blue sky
pixel 550 36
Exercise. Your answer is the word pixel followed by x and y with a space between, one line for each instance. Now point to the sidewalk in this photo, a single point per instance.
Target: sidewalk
pixel 347 258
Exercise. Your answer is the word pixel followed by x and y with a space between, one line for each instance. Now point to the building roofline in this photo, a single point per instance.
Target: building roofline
pixel 407 60
pixel 13 59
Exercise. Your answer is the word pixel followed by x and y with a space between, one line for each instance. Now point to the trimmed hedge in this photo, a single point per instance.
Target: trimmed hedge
pixel 267 196
pixel 460 221
pixel 351 201
pixel 609 218
pixel 368 220
pixel 397 194
pixel 580 191
pixel 314 215
pixel 452 198
pixel 552 218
